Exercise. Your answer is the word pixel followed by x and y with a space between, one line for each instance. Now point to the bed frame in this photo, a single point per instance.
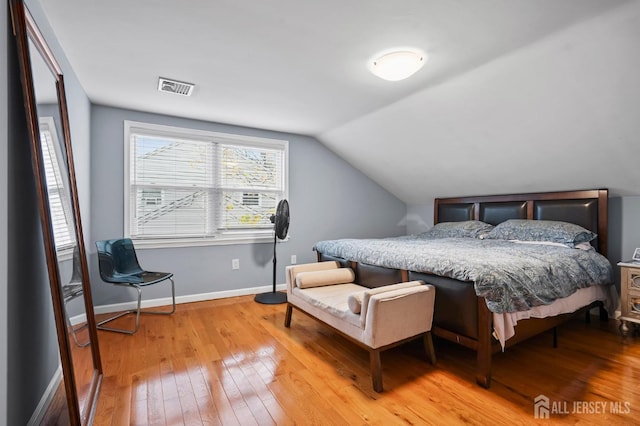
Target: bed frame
pixel 461 316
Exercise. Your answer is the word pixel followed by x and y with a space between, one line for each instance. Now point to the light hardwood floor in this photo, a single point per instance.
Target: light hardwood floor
pixel 232 362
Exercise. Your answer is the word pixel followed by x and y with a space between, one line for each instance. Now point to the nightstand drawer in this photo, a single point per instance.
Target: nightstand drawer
pixel 631 306
pixel 633 279
pixel 629 295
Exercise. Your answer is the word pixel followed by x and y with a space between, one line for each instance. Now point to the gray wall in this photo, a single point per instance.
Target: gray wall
pixel 4 226
pixel 629 221
pixel 419 218
pixel 328 198
pixel 624 229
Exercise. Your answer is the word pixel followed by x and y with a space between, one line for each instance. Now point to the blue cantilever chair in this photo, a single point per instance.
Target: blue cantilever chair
pixel 119 265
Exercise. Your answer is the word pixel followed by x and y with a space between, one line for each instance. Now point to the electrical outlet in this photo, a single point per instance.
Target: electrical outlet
pixel 294 259
pixel 235 263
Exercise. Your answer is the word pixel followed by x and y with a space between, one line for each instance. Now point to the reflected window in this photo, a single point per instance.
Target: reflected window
pixel 57 191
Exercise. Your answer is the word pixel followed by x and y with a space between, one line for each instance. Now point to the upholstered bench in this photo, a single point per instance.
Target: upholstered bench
pixel 376 319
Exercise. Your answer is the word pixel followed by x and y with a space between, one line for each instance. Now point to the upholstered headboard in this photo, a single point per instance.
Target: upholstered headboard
pixel 585 208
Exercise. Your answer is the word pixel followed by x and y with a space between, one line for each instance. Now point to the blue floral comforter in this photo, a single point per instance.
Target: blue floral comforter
pixel 510 276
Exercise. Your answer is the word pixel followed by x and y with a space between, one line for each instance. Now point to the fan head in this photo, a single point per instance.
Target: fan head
pixel 280 220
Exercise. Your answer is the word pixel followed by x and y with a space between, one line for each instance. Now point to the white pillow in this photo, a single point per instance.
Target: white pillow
pixel 326 277
pixel 585 246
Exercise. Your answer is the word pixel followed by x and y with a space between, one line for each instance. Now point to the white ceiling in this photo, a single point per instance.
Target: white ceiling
pixel 300 66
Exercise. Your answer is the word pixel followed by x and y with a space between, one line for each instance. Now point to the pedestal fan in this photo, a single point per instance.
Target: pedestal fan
pixel 280 222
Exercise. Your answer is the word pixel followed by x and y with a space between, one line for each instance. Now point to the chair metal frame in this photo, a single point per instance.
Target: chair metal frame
pixel 70 292
pixel 139 285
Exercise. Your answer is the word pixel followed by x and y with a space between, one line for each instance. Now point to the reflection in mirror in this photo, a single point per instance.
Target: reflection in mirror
pixel 66 257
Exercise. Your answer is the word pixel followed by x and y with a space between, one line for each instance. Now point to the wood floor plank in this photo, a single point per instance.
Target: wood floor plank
pixel 219 398
pixel 208 413
pixel 138 413
pixel 232 362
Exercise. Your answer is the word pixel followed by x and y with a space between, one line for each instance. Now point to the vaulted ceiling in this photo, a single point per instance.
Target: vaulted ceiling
pixel 517 95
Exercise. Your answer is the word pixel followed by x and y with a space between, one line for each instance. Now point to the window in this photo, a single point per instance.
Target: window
pixel 189 187
pixel 151 197
pixel 251 199
pixel 61 216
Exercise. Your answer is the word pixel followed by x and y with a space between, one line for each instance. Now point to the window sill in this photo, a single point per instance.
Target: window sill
pixel 201 242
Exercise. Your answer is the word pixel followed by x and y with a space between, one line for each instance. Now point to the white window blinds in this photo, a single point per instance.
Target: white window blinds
pixel 57 190
pixel 251 181
pixel 188 184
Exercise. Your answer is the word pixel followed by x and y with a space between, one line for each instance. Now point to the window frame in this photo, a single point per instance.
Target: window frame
pixel 242 236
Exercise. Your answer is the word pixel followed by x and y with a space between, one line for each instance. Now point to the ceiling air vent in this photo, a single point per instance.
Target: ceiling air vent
pixel 174 86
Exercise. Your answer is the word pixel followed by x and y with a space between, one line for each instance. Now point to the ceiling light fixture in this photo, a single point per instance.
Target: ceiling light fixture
pixel 397 64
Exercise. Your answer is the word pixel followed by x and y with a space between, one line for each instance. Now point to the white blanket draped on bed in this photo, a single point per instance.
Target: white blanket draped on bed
pixel 504 324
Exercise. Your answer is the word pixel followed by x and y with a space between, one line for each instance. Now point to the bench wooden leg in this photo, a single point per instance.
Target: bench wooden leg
pixel 376 369
pixel 287 316
pixel 428 347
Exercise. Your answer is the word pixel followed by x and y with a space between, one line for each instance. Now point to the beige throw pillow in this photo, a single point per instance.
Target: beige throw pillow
pixel 323 278
pixel 355 302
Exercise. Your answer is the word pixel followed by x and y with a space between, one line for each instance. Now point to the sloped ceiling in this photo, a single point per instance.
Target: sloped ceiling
pixel 517 95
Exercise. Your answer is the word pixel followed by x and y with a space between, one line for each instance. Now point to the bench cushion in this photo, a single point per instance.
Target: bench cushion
pixel 332 300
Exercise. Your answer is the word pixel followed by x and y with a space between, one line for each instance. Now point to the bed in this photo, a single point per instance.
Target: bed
pixel 471 308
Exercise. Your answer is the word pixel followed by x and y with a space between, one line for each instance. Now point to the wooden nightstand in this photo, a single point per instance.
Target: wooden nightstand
pixel 630 295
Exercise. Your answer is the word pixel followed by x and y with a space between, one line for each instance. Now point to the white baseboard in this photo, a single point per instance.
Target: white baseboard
pixel 47 397
pixel 118 307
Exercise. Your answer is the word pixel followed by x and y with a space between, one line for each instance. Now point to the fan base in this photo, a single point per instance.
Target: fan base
pixel 271 298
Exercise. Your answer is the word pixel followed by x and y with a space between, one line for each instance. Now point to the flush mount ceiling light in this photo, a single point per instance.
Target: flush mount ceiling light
pixel 397 64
